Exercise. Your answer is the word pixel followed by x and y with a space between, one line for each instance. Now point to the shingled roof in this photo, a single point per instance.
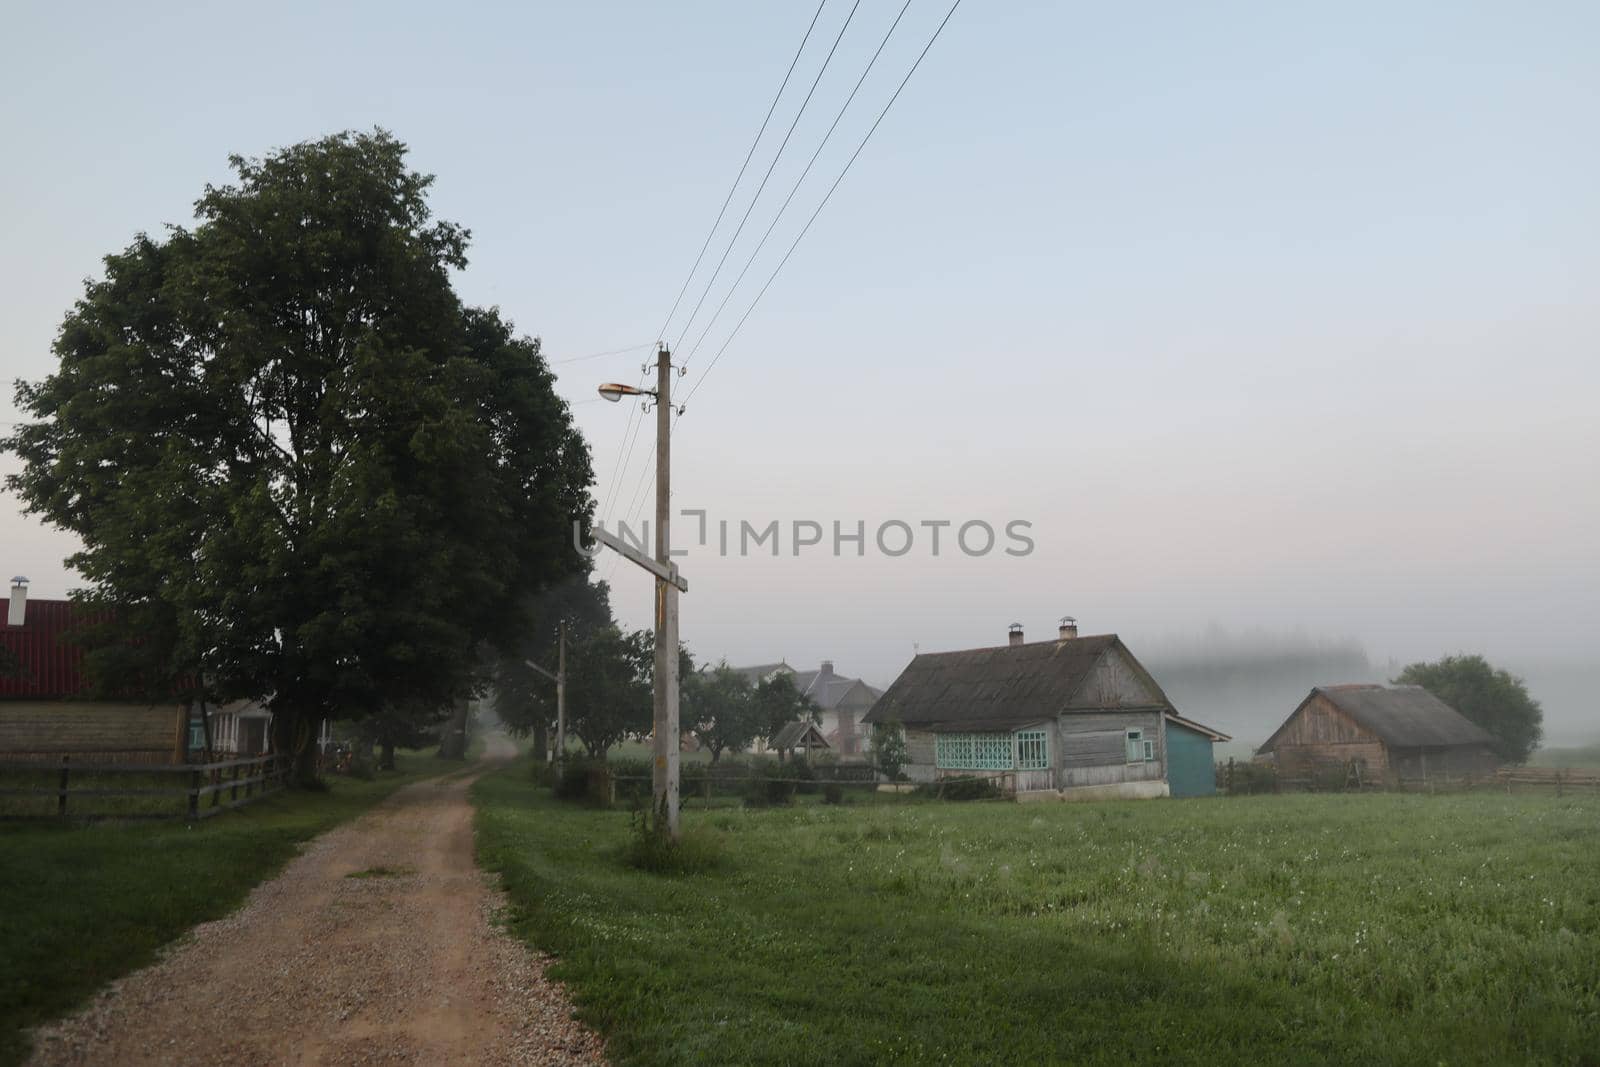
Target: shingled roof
pixel 1402 716
pixel 1001 687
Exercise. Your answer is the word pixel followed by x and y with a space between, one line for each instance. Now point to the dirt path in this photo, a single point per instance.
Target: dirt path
pixel 403 966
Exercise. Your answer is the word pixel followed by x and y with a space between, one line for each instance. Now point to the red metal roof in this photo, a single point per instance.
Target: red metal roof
pixel 52 667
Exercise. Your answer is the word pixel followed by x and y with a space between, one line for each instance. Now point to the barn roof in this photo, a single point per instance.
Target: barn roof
pixel 1001 687
pixel 1403 716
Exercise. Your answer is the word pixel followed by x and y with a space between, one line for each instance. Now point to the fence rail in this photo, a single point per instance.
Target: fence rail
pixel 197 794
pixel 1244 778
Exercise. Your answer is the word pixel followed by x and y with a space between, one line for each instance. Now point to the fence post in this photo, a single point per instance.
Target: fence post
pixel 234 795
pixel 61 797
pixel 194 794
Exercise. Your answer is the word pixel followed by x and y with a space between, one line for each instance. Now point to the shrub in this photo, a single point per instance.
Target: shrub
pixel 772 784
pixel 801 773
pixel 649 848
pixel 966 787
pixel 630 778
pixel 833 793
pixel 583 779
pixel 362 767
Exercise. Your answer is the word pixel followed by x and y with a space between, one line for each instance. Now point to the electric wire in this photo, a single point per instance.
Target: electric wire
pixel 806 229
pixel 798 182
pixel 766 177
pixel 625 452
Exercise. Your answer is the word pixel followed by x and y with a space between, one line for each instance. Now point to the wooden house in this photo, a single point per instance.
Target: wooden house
pixel 802 737
pixel 1076 717
pixel 43 712
pixel 1381 733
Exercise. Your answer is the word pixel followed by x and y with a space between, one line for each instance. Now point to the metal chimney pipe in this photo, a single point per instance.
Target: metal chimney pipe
pixel 18 611
pixel 1069 628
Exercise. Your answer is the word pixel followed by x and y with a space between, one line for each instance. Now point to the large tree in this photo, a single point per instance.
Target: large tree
pixel 608 687
pixel 300 467
pixel 779 703
pixel 1495 699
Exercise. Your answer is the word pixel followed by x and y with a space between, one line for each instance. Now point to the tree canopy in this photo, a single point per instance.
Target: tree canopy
pixel 1496 700
pixel 301 468
pixel 721 710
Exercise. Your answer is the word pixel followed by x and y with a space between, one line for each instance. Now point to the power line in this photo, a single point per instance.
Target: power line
pixel 798 182
pixel 600 355
pixel 630 432
pixel 805 229
pixel 742 167
pixel 779 155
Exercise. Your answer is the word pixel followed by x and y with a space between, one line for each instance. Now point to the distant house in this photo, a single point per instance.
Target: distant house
pixel 1077 716
pixel 1402 732
pixel 843 701
pixel 44 713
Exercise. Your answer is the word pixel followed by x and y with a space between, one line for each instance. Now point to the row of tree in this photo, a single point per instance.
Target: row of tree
pixel 610 683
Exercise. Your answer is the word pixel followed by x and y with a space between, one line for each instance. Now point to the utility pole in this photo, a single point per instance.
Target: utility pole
pixel 561 694
pixel 664 778
pixel 560 678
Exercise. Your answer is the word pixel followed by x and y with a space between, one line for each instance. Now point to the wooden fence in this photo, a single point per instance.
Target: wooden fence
pixel 1253 778
pixel 85 790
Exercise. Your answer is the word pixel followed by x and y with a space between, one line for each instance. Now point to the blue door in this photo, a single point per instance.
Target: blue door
pixel 1190 770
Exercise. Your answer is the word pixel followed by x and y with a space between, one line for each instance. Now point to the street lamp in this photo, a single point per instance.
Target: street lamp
pixel 664 773
pixel 615 391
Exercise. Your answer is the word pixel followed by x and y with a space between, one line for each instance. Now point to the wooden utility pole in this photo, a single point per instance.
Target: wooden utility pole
pixel 664 778
pixel 561 692
pixel 560 678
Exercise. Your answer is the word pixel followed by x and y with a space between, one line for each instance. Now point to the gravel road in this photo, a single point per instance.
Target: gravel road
pixel 403 967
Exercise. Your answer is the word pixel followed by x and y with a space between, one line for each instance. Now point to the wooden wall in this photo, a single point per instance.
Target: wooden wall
pixel 93 730
pixel 1113 683
pixel 1092 748
pixel 1319 734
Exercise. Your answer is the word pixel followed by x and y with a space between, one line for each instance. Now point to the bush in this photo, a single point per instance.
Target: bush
pixel 833 793
pixel 649 848
pixel 967 787
pixel 583 779
pixel 805 778
pixel 694 780
pixel 363 768
pixel 630 779
pixel 772 784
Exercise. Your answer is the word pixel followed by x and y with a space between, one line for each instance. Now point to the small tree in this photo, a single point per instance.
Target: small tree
pixel 721 710
pixel 608 687
pixel 889 750
pixel 1496 700
pixel 778 703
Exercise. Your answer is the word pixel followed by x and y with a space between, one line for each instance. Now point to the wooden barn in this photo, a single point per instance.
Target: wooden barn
pixel 1382 733
pixel 42 711
pixel 1076 717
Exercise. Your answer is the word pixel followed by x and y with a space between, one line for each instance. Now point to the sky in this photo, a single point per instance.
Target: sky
pixel 1268 318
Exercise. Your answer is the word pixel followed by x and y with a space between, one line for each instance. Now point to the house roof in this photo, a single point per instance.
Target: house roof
pixel 825 688
pixel 1001 687
pixel 1403 716
pixel 51 667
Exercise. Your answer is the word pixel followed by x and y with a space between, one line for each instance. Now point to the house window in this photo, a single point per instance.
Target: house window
pixel 1033 750
pixel 1140 748
pixel 974 752
pixel 1027 750
pixel 197 735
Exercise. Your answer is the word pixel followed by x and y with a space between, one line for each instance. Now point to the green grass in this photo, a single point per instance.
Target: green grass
pixel 1304 929
pixel 81 905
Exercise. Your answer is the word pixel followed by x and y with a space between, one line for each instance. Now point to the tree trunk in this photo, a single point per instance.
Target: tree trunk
pixel 294 738
pixel 386 761
pixel 453 738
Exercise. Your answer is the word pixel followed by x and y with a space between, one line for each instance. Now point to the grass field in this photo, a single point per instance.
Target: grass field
pixel 80 906
pixel 1305 929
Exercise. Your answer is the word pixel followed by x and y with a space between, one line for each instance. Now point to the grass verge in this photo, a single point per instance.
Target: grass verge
pixel 1304 929
pixel 81 905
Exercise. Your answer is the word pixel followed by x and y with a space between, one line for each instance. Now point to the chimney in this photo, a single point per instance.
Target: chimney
pixel 1069 628
pixel 19 601
pixel 1016 633
pixel 827 668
